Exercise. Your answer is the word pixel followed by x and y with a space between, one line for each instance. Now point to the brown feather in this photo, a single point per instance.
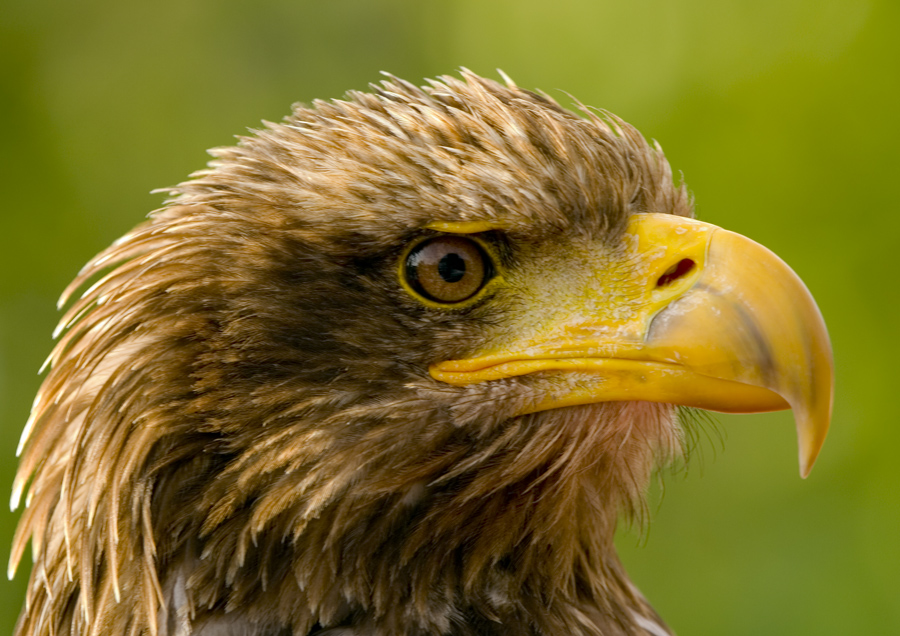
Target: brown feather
pixel 238 433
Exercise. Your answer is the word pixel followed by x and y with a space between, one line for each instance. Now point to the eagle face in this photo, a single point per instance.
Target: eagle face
pixel 396 365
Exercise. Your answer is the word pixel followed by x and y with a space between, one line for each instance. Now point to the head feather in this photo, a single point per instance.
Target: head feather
pixel 219 426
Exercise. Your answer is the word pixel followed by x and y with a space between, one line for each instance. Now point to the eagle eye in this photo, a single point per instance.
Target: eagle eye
pixel 447 269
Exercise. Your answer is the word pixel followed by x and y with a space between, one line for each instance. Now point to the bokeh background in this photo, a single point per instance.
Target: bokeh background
pixel 782 115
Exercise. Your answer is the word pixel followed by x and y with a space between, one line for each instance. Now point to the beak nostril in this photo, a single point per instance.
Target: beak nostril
pixel 678 270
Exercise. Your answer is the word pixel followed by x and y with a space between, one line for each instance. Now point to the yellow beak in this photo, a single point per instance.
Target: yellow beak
pixel 704 317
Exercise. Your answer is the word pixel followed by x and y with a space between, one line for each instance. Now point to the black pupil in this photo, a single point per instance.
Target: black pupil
pixel 452 268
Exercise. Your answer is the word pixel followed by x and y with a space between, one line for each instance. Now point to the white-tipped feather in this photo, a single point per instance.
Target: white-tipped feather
pixel 192 432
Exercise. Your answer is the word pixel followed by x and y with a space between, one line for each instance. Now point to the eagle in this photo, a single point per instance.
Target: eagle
pixel 397 365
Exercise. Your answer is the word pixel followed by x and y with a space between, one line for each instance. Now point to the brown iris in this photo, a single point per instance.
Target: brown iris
pixel 448 269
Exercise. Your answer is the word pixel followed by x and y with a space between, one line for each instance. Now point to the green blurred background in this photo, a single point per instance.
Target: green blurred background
pixel 783 116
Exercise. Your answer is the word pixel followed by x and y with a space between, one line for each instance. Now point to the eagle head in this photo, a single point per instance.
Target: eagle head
pixel 396 365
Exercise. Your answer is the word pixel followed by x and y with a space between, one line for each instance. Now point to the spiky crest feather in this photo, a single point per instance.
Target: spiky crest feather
pixel 238 425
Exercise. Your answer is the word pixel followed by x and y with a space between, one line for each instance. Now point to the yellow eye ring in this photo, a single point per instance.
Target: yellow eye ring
pixel 447 270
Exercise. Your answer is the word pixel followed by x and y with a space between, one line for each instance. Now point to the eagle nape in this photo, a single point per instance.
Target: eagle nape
pixel 396 365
